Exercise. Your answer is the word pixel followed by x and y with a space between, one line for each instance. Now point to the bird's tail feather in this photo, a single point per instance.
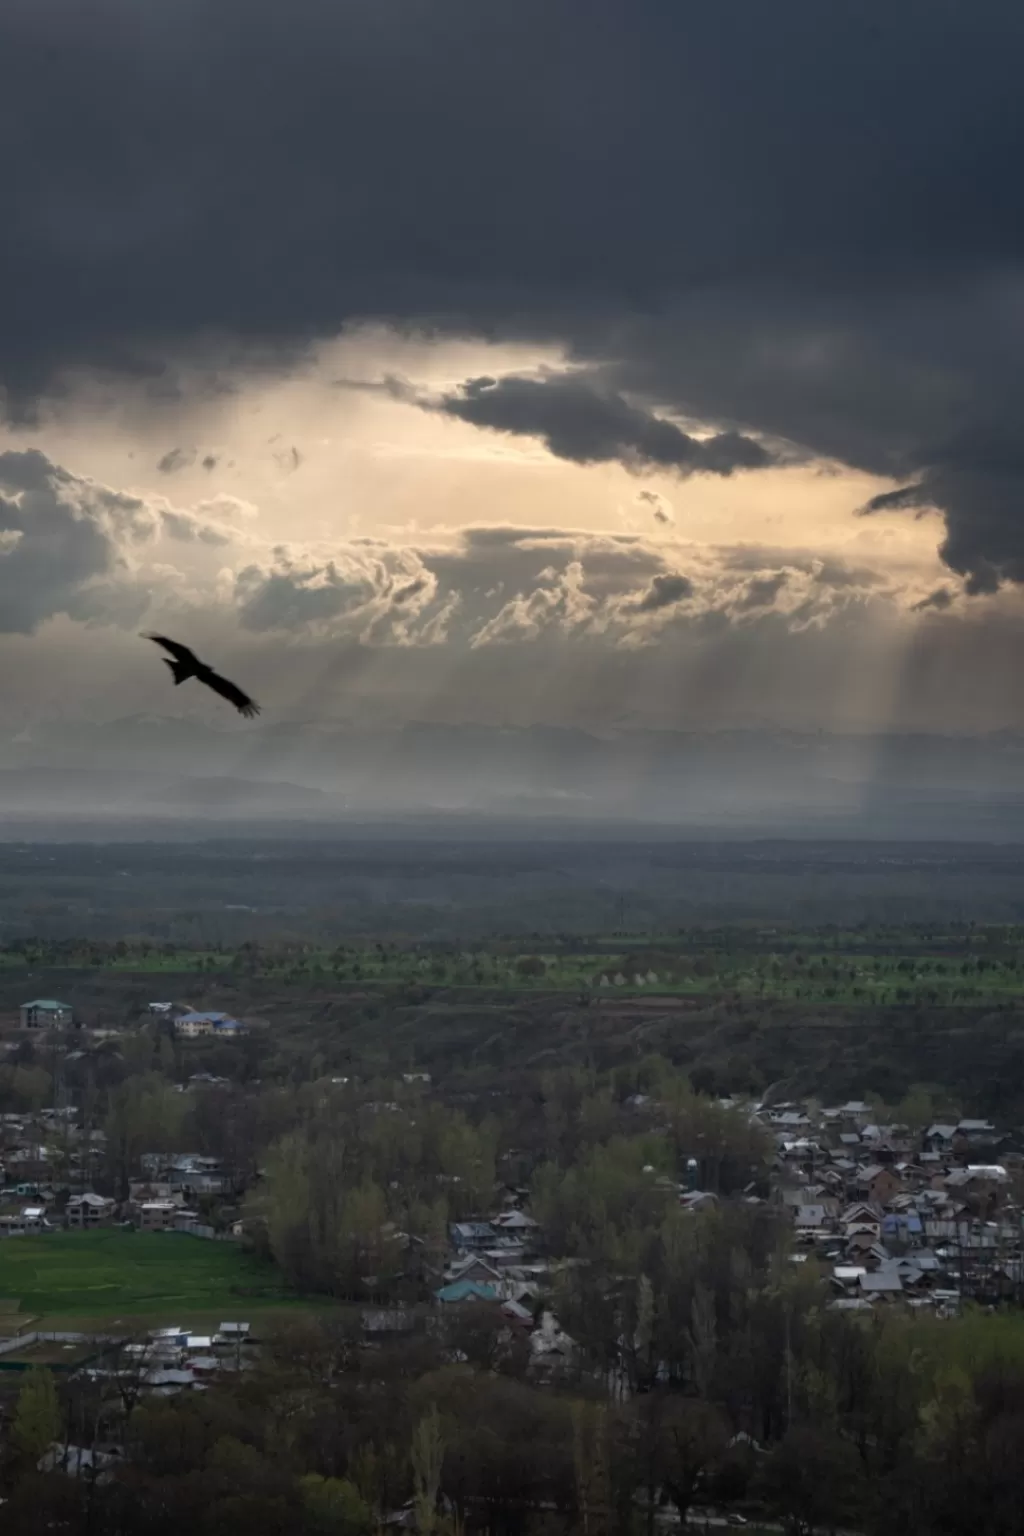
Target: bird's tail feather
pixel 180 669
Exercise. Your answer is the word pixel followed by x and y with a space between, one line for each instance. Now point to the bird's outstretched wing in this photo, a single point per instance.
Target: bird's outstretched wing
pixel 180 652
pixel 235 696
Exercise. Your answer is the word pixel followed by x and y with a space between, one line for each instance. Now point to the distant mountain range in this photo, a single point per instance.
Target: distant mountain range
pixel 781 782
pixel 75 791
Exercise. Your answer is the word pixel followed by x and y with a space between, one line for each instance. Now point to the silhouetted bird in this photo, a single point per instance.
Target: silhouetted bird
pixel 186 664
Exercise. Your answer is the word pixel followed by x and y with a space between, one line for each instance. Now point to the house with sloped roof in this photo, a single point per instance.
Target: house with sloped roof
pixel 847 1276
pixel 876 1183
pixel 190 1026
pixel 939 1137
pixel 474 1266
pixel 46 1013
pixel 882 1282
pixel 89 1210
pixel 156 1215
pixel 811 1216
pixel 515 1221
pixel 860 1249
pixel 505 1255
pixel 975 1178
pixel 459 1291
pixel 470 1235
pixel 789 1120
pixel 859 1212
pixel 970 1128
pixel 903 1226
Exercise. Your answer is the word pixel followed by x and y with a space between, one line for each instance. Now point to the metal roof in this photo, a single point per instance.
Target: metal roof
pixel 466 1290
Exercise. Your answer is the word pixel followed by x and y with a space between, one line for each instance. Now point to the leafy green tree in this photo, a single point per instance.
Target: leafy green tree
pixel 591 1460
pixel 813 1480
pixel 694 1437
pixel 333 1506
pixel 36 1416
pixel 531 967
pixel 145 1114
pixel 427 1459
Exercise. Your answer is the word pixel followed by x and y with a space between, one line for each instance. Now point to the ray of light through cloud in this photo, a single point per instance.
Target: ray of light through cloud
pixel 579 455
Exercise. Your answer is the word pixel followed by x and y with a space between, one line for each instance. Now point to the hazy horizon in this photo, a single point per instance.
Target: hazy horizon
pixel 751 783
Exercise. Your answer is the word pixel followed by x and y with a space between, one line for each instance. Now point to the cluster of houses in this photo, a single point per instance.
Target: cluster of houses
pixel 188 1023
pixel 174 1359
pixel 891 1216
pixel 494 1263
pixel 193 1023
pixel 167 1362
pixel 38 1152
pixel 921 1218
pixel 164 1199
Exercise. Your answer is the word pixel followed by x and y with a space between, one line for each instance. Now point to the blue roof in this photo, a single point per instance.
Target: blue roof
pixel 50 1004
pixel 205 1018
pixel 466 1290
pixel 894 1220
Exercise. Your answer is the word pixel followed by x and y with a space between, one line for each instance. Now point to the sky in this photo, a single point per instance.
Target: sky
pixel 609 363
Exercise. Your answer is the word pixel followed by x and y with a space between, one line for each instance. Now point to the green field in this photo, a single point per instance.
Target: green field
pixel 887 967
pixel 118 1276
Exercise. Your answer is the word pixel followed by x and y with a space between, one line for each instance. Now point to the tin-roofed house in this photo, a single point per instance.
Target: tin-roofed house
pixel 191 1025
pixel 89 1210
pixel 46 1013
pixel 469 1236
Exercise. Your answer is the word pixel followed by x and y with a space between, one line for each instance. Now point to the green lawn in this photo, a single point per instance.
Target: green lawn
pixel 114 1274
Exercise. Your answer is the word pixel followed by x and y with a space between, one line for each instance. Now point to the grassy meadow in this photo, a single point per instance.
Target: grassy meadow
pixel 112 1276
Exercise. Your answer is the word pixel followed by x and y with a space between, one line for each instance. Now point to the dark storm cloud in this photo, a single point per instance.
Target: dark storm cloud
pixel 763 590
pixel 406 593
pixel 981 501
pixel 664 592
pixel 800 218
pixel 896 501
pixel 366 160
pixel 581 421
pixel 940 599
